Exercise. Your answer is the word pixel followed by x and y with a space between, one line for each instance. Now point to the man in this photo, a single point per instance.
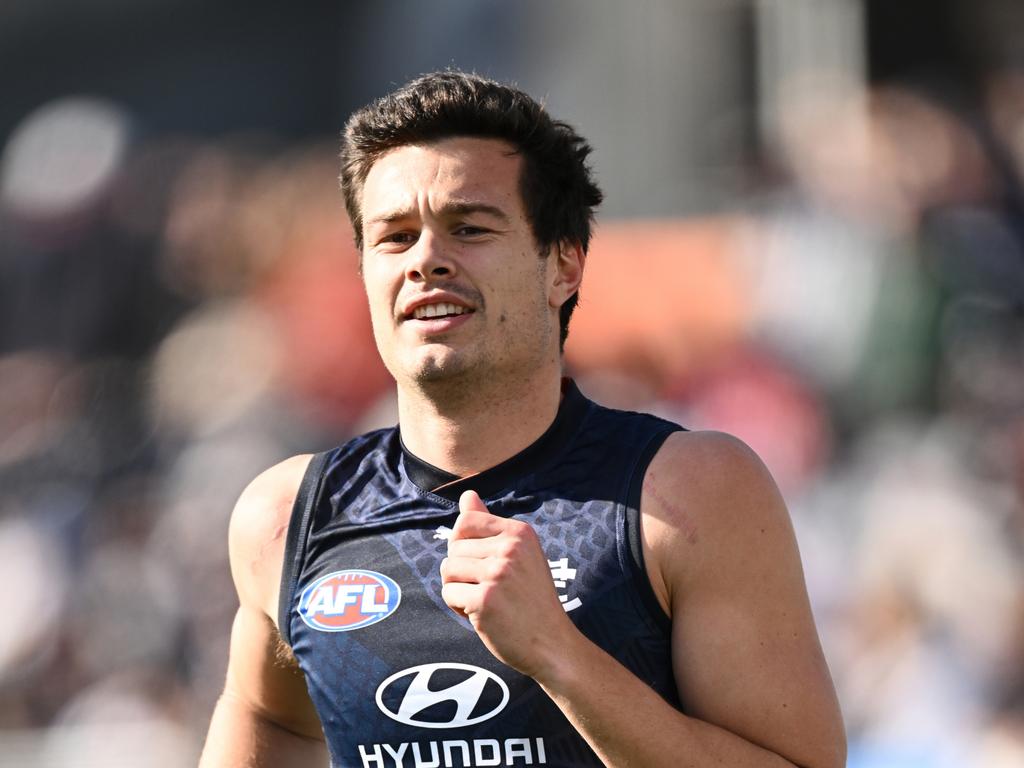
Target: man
pixel 515 575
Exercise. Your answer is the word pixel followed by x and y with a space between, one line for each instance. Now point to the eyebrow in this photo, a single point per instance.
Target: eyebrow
pixel 454 208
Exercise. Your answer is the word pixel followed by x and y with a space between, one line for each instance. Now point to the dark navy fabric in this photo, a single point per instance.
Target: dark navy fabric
pixel 371 506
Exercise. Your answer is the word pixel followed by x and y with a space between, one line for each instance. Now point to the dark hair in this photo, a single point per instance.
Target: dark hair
pixel 556 186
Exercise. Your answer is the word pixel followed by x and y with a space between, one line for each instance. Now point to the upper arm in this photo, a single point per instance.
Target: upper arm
pixel 723 558
pixel 262 673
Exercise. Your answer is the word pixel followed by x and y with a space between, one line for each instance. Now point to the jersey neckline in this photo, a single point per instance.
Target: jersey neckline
pixel 441 483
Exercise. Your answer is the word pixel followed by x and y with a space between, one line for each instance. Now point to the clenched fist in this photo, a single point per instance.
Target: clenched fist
pixel 497 576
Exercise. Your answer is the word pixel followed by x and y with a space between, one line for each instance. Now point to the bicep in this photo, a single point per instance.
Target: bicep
pixel 264 677
pixel 746 657
pixel 746 654
pixel 263 718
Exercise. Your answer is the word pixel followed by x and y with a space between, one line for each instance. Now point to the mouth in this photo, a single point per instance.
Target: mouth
pixel 441 306
pixel 437 318
pixel 438 311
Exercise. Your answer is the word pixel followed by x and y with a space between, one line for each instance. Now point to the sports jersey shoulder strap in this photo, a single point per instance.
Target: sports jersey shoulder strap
pixel 632 522
pixel 295 543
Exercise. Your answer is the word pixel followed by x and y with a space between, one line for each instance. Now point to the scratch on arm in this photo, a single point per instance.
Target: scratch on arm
pixel 675 512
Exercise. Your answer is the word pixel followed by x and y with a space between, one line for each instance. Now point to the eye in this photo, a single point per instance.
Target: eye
pixel 468 230
pixel 398 238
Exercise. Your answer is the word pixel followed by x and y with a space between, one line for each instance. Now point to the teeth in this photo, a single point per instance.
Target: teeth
pixel 437 310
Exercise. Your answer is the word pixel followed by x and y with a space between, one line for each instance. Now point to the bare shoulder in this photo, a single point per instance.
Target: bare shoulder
pixel 259 525
pixel 708 499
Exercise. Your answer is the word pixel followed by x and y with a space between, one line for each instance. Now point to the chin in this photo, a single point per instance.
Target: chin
pixel 437 368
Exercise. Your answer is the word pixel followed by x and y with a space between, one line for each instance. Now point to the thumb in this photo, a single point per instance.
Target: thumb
pixel 471 524
pixel 470 501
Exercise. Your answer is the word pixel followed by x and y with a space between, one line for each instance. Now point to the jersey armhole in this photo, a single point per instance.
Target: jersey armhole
pixel 633 536
pixel 295 543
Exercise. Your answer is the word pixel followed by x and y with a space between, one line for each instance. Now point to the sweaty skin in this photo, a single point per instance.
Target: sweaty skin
pixel 444 222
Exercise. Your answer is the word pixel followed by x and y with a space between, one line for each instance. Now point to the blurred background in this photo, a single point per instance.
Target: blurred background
pixel 813 238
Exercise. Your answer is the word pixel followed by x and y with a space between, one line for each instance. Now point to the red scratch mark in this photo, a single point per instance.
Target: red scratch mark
pixel 686 526
pixel 258 560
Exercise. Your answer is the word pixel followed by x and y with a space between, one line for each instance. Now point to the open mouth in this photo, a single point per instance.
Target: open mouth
pixel 440 310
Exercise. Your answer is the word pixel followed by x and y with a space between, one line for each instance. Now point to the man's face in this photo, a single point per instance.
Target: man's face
pixel 455 284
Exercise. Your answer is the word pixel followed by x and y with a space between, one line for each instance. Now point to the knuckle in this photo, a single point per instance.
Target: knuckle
pixel 523 532
pixel 507 548
pixel 498 568
pixel 488 600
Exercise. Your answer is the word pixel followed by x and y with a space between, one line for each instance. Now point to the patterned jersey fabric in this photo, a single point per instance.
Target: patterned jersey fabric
pixel 398 679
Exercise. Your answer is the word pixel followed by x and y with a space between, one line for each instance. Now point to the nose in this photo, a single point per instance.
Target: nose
pixel 428 259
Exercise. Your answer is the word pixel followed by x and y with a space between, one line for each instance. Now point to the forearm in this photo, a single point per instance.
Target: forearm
pixel 241 738
pixel 628 724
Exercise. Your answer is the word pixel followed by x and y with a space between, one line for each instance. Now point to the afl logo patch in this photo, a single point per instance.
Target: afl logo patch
pixel 345 600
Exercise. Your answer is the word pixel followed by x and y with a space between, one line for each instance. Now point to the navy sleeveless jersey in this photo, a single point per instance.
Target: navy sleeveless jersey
pixel 398 679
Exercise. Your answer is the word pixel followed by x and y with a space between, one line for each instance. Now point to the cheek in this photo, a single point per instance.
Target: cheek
pixel 378 293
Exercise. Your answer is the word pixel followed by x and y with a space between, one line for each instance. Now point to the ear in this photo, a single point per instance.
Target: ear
pixel 568 272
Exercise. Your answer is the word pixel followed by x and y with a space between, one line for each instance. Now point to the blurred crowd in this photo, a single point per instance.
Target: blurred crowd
pixel 178 314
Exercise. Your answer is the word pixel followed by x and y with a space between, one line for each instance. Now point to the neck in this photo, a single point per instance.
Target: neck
pixel 465 431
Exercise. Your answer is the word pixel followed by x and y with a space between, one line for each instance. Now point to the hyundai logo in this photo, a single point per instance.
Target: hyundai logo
pixel 442 695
